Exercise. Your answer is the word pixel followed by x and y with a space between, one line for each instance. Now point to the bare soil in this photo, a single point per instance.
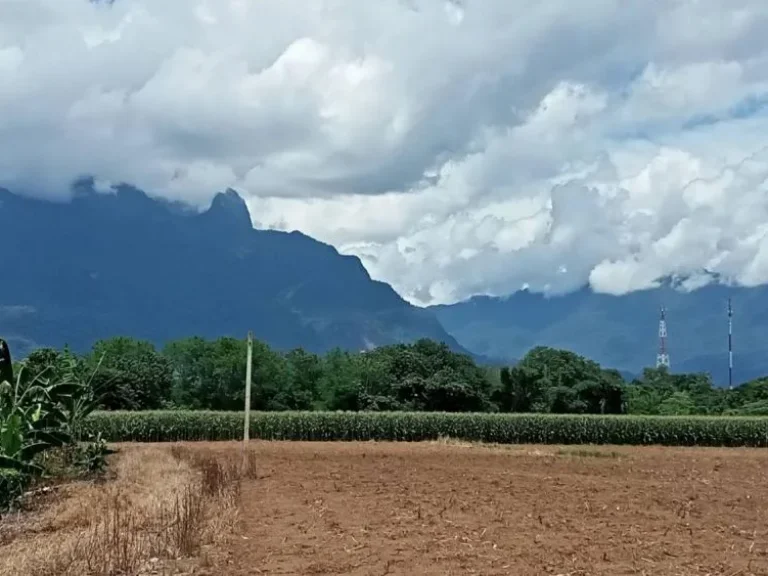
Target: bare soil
pixel 448 508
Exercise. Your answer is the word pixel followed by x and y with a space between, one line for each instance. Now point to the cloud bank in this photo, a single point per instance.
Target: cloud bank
pixel 458 147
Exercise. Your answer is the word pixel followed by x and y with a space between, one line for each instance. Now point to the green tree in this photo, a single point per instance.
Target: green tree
pixel 679 403
pixel 211 375
pixel 522 389
pixel 559 381
pixel 272 385
pixel 757 408
pixel 44 363
pixel 748 393
pixel 208 374
pixel 424 375
pixel 340 385
pixel 658 391
pixel 305 375
pixel 134 376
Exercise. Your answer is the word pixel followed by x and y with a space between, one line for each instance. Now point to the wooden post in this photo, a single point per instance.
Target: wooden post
pixel 6 364
pixel 249 356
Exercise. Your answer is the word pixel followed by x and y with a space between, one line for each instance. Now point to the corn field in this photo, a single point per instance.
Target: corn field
pixel 171 426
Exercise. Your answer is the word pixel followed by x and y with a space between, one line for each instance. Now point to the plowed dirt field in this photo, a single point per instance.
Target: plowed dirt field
pixel 441 508
pixel 448 508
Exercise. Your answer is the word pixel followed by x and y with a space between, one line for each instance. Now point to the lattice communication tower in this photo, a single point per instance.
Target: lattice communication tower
pixel 662 358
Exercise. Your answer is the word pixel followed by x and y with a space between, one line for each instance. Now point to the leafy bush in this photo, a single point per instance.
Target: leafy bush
pixel 43 412
pixel 164 426
pixel 91 456
pixel 12 485
pixel 759 408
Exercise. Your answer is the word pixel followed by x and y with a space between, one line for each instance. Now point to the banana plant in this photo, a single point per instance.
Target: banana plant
pixel 33 419
pixel 89 397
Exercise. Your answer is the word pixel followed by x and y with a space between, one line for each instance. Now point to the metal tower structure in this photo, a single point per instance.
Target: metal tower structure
pixel 662 358
pixel 730 344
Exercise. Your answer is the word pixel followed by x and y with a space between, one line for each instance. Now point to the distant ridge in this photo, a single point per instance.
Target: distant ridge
pixel 621 331
pixel 122 263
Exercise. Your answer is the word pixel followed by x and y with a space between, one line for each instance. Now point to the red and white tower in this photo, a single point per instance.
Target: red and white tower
pixel 662 358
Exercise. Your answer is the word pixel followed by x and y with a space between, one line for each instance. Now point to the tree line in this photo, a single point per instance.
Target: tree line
pixel 195 373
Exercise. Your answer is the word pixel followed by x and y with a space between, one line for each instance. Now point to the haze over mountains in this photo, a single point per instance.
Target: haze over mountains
pixel 622 331
pixel 455 148
pixel 125 264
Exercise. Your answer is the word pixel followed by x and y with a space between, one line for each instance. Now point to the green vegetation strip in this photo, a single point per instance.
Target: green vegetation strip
pixel 171 426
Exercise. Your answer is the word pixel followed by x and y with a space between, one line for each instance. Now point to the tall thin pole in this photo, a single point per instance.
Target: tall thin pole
pixel 662 358
pixel 249 358
pixel 730 344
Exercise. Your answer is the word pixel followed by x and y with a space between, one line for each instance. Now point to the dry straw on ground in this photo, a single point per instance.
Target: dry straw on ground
pixel 162 504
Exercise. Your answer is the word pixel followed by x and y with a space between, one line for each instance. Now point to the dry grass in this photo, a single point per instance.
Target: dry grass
pixel 548 450
pixel 163 504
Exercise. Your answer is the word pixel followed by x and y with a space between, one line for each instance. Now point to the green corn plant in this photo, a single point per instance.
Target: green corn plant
pixel 171 426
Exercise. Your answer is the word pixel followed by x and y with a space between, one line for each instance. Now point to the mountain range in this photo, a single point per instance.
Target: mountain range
pixel 123 263
pixel 622 332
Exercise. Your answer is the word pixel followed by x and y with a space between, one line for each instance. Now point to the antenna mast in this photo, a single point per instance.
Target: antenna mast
pixel 662 358
pixel 730 344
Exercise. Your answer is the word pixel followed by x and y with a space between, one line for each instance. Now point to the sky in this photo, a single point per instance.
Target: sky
pixel 458 147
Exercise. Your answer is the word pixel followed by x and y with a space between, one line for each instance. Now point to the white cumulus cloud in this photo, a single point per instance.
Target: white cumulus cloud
pixel 457 146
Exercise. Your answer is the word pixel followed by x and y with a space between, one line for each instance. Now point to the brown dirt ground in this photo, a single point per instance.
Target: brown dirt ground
pixel 448 508
pixel 454 508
